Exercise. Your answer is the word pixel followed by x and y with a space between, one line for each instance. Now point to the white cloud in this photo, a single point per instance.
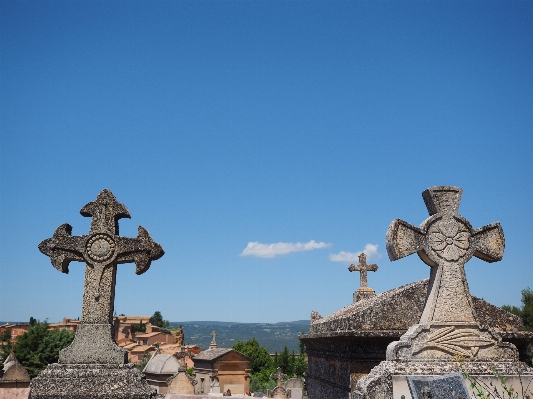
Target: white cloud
pixel 280 248
pixel 370 250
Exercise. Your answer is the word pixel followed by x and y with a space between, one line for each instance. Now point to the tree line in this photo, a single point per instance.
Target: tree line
pixel 264 365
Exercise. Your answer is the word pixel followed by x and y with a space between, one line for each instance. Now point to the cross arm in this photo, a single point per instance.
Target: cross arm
pixel 141 250
pixel 372 267
pixel 63 248
pixel 489 242
pixel 403 239
pixel 354 268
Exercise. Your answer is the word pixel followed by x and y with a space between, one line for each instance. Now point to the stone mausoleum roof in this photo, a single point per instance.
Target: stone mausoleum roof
pixel 391 313
pixel 162 364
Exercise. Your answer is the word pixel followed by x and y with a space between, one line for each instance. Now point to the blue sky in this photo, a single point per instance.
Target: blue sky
pixel 227 125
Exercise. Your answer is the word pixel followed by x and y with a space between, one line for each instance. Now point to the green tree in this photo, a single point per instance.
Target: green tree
pixel 157 320
pixel 284 362
pixel 261 357
pixel 300 364
pixel 526 314
pixel 262 364
pixel 39 346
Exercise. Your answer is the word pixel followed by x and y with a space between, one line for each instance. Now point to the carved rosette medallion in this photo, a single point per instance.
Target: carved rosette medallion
pixel 449 239
pixel 100 248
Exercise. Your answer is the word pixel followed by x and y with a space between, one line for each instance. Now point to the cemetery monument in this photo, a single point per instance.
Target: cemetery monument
pixel 93 366
pixel 448 326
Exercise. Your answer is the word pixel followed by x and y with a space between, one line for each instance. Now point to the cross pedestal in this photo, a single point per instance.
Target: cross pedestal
pixel 93 354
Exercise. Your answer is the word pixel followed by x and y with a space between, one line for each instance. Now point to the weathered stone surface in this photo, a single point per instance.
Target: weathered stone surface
pixel 345 345
pixel 446 241
pixel 449 324
pixel 279 391
pixel 83 381
pixel 102 250
pixel 378 384
pixel 93 366
pixel 364 291
pixel 13 374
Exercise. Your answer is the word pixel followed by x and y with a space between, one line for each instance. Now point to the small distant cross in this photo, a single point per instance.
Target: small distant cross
pixel 213 342
pixel 279 376
pixel 362 267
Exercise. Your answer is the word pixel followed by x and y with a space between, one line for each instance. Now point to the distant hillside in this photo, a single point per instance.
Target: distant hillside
pixel 272 336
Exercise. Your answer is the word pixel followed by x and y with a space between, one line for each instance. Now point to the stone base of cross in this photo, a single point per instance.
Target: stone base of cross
pixel 363 293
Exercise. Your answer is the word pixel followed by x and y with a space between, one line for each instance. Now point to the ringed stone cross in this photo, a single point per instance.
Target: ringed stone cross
pixel 101 250
pixel 362 267
pixel 446 241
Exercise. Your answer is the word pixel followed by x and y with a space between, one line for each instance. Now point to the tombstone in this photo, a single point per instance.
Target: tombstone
pixel 448 326
pixel 279 391
pixel 93 366
pixel 296 386
pixel 364 291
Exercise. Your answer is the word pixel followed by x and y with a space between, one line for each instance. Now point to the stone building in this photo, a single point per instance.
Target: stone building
pixel 160 368
pixel 220 369
pixel 13 375
pixel 347 344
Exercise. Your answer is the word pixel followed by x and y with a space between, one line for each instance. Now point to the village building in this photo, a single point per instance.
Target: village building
pixel 15 330
pixel 219 369
pixel 125 329
pixel 66 324
pixel 347 344
pixel 13 375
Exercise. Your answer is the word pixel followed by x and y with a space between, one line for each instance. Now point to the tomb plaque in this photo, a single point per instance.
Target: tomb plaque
pixel 448 386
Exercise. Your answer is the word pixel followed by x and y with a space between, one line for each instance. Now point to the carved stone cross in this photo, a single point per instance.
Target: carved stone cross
pixel 279 376
pixel 446 241
pixel 362 267
pixel 101 250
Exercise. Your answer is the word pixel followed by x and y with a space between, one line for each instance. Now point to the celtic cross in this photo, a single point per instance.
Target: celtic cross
pixel 362 268
pixel 101 250
pixel 279 376
pixel 446 241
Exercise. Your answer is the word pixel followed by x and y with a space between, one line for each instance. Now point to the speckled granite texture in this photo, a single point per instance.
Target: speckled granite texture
pixel 93 366
pixel 88 381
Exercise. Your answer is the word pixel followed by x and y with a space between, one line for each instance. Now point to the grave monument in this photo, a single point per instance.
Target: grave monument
pixel 93 366
pixel 448 326
pixel 363 291
pixel 279 391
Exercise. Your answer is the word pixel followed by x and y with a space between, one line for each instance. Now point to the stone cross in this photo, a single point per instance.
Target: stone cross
pixel 446 241
pixel 279 376
pixel 101 250
pixel 213 343
pixel 362 267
